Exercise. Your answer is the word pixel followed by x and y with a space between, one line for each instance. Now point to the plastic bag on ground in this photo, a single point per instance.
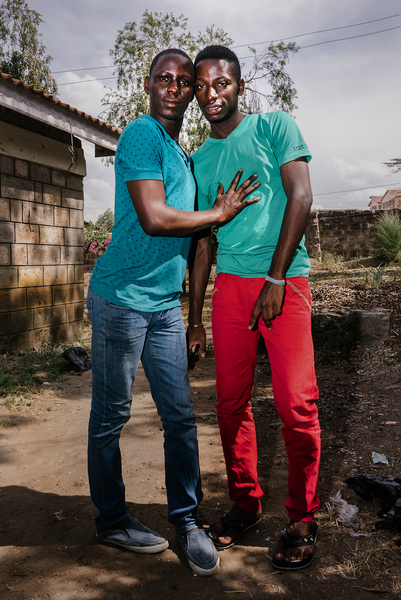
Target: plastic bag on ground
pixel 388 490
pixel 78 357
pixel 346 513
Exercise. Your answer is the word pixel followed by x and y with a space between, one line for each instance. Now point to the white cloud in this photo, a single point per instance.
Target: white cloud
pixel 361 174
pixel 85 95
pixel 99 196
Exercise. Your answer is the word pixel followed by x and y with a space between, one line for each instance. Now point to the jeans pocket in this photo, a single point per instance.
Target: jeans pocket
pixel 218 284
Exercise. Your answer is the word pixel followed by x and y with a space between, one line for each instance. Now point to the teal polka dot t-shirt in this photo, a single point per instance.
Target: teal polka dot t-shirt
pixel 138 270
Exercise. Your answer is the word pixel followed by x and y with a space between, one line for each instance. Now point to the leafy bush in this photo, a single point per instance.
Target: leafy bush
pixel 387 243
pixel 96 238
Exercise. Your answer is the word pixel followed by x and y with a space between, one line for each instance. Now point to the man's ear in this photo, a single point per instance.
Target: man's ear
pixel 241 87
pixel 146 84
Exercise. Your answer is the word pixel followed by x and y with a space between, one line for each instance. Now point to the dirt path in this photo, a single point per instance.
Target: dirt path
pixel 48 548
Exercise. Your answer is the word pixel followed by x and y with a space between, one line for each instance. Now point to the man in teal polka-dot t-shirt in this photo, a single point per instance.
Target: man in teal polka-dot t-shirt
pixel 134 307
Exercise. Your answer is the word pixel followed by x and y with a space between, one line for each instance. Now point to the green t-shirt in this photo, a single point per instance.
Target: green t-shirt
pixel 261 144
pixel 145 272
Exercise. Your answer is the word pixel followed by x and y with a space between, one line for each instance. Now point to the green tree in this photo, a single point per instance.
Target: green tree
pixel 136 45
pixel 22 53
pixel 106 219
pixel 394 164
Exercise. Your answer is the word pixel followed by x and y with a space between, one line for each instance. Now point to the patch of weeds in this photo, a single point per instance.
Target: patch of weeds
pixel 45 359
pixel 10 402
pixel 58 387
pixel 7 382
pixel 210 397
pixel 397 356
pixel 377 273
pixel 331 260
pixel 20 380
pixel 375 559
pixel 210 350
pixel 84 562
pixel 79 482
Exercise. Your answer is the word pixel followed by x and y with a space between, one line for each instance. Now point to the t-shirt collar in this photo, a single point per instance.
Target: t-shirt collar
pixel 231 135
pixel 167 137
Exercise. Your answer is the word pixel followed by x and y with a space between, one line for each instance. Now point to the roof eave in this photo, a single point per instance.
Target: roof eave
pixel 53 112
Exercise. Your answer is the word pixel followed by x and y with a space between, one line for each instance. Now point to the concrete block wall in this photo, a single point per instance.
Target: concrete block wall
pixel 347 233
pixel 41 254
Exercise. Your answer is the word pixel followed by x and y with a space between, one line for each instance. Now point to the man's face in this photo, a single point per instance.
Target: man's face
pixel 170 87
pixel 217 89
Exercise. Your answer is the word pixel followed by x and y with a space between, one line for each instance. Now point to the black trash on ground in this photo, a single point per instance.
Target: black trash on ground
pixel 79 358
pixel 388 490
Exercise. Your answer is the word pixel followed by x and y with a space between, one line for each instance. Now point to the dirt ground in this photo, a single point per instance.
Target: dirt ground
pixel 47 545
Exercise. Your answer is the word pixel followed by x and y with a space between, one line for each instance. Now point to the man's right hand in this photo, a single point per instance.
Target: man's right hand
pixel 228 205
pixel 196 335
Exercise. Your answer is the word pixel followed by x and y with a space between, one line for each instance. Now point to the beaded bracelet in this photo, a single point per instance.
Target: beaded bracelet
pixel 276 281
pixel 197 325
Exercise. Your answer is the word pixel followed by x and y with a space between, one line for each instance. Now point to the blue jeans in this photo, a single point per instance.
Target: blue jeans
pixel 121 337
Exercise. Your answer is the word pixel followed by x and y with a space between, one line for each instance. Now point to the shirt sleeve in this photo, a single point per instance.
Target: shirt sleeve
pixel 139 152
pixel 286 138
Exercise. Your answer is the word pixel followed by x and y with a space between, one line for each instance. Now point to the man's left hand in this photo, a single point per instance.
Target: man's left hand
pixel 269 304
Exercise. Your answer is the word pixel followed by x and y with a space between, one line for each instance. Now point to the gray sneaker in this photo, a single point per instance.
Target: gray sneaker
pixel 135 537
pixel 201 554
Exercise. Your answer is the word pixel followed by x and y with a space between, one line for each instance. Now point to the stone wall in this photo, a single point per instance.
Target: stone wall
pixel 41 254
pixel 347 233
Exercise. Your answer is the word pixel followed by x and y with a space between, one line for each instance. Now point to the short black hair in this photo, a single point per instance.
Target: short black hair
pixel 216 52
pixel 163 53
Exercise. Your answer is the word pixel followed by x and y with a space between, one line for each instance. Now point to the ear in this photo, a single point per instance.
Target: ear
pixel 241 87
pixel 146 84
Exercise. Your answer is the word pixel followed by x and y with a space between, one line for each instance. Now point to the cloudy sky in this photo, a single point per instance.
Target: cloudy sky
pixel 349 90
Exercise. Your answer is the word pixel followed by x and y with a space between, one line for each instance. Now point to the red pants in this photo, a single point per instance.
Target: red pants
pixel 290 348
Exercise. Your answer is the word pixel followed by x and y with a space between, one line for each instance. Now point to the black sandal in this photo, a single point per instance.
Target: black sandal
pixel 296 542
pixel 227 524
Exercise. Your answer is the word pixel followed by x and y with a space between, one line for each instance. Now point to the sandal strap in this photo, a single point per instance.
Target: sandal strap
pixel 296 542
pixel 229 524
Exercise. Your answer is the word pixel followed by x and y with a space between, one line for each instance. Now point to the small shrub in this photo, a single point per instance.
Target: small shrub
pixel 330 260
pixel 96 238
pixel 377 277
pixel 387 243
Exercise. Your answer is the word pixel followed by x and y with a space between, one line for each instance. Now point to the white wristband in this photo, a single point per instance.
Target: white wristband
pixel 276 281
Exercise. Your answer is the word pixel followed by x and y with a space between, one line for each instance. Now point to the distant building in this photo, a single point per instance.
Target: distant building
pixel 389 201
pixel 375 203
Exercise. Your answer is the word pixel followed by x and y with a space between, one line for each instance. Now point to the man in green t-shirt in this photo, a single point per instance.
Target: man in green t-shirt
pixel 261 287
